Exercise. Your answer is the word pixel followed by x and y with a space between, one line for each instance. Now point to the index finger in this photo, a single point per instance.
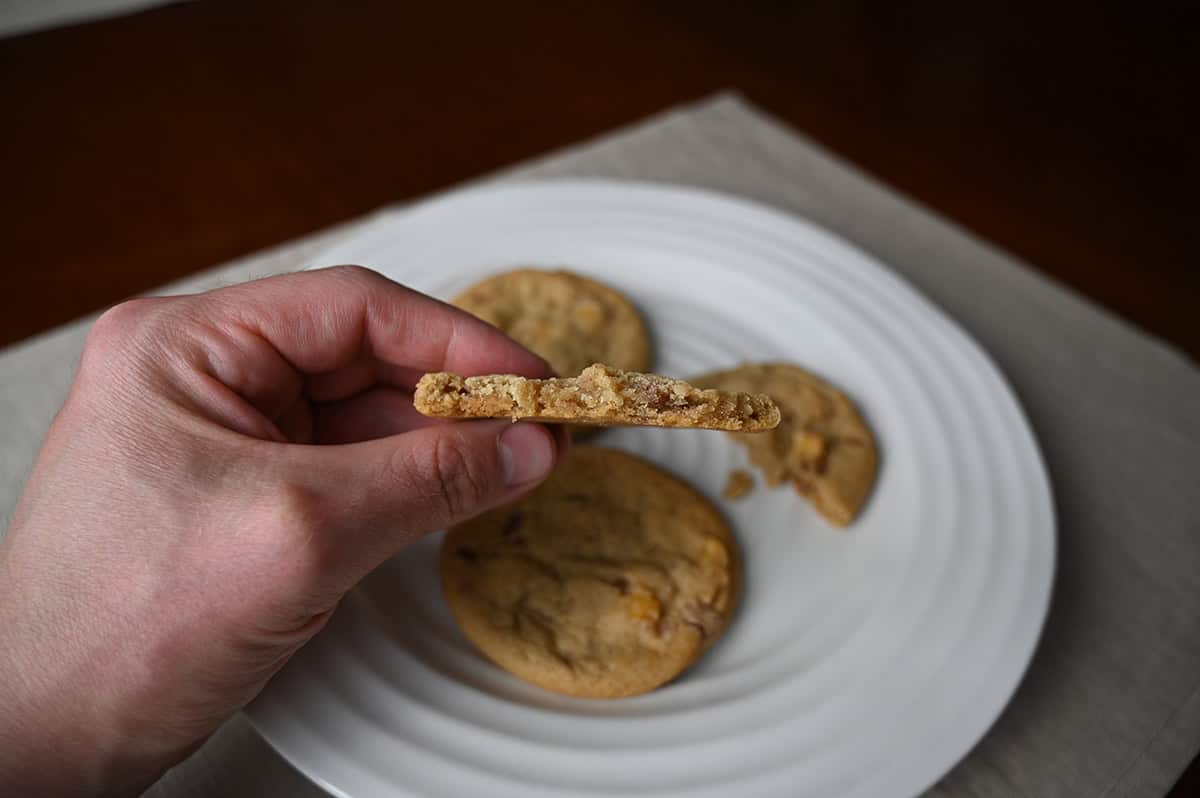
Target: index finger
pixel 326 319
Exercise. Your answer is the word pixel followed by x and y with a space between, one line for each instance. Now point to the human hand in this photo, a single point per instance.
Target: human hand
pixel 179 537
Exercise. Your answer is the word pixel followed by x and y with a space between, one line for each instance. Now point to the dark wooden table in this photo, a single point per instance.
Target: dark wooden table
pixel 140 149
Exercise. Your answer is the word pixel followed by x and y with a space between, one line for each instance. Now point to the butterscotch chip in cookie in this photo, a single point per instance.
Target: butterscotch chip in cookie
pixel 600 395
pixel 738 485
pixel 822 445
pixel 570 320
pixel 607 580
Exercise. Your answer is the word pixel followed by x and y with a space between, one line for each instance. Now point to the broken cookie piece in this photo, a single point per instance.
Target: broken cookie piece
pixel 600 395
pixel 822 445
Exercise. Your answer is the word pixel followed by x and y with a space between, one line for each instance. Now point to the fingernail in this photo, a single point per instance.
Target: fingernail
pixel 526 453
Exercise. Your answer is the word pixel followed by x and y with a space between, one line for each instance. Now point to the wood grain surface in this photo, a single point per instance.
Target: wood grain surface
pixel 136 150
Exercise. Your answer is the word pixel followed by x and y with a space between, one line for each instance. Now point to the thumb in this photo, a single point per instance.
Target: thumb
pixel 446 473
pixel 380 495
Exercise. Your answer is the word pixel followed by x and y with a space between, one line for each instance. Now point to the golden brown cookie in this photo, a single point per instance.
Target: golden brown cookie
pixel 822 445
pixel 570 320
pixel 607 580
pixel 600 395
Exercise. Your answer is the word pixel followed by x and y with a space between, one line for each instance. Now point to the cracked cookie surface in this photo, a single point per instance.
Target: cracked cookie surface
pixel 570 320
pixel 608 580
pixel 600 395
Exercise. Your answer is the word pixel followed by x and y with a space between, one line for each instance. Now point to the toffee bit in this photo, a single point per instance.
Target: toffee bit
pixel 738 485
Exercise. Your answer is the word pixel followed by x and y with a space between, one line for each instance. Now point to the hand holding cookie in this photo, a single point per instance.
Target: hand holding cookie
pixel 226 467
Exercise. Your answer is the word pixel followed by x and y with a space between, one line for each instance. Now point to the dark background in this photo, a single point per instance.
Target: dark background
pixel 139 149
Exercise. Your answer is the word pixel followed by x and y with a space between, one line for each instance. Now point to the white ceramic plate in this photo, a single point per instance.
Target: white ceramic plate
pixel 863 662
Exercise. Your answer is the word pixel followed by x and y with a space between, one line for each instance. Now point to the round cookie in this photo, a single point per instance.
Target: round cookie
pixel 569 320
pixel 606 581
pixel 822 445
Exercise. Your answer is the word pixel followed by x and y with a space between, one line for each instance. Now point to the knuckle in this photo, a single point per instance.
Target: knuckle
pixel 292 521
pixel 295 512
pixel 123 319
pixel 117 327
pixel 286 567
pixel 113 339
pixel 458 479
pixel 354 273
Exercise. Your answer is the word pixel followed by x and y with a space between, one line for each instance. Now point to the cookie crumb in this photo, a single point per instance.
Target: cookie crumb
pixel 738 485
